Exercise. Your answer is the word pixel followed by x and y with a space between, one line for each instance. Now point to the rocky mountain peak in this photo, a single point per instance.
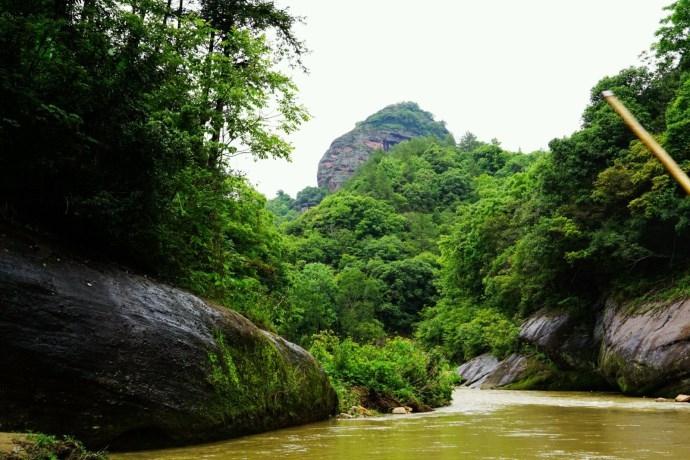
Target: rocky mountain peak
pixel 381 131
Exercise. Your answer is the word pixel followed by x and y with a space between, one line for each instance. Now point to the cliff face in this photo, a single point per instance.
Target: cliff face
pixel 637 349
pixel 381 131
pixel 646 349
pixel 119 360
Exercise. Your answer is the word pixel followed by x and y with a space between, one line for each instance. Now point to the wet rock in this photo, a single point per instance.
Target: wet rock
pixel 120 360
pixel 663 400
pixel 384 402
pixel 568 340
pixel 642 349
pixel 646 349
pixel 545 328
pixel 682 398
pixel 514 368
pixel 475 371
pixel 399 411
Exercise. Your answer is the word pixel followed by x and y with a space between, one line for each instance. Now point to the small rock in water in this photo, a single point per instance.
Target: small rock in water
pixel 344 415
pixel 683 398
pixel 399 410
pixel 662 400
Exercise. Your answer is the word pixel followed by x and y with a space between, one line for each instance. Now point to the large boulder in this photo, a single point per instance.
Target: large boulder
pixel 122 361
pixel 646 349
pixel 475 371
pixel 637 348
pixel 514 369
pixel 569 340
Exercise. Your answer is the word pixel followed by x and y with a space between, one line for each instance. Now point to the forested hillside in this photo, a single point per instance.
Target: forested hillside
pixel 456 244
pixel 118 121
pixel 117 124
pixel 368 265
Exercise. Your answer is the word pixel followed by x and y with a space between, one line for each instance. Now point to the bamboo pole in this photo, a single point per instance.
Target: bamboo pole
pixel 646 138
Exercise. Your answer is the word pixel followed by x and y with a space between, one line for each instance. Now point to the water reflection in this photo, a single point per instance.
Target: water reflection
pixel 478 425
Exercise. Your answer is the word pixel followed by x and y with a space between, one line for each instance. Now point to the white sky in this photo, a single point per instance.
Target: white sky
pixel 519 71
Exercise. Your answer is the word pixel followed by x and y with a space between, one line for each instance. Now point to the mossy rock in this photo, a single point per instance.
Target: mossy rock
pixel 645 348
pixel 122 361
pixel 536 372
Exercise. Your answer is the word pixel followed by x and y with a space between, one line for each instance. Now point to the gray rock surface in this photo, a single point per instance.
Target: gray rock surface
pixel 545 329
pixel 570 341
pixel 475 371
pixel 639 349
pixel 511 370
pixel 119 360
pixel 646 350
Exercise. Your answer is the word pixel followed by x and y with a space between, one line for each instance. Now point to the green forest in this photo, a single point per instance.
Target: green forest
pixel 119 119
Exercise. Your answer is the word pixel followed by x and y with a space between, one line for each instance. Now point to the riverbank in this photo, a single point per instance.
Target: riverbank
pixel 640 348
pixel 7 441
pixel 28 446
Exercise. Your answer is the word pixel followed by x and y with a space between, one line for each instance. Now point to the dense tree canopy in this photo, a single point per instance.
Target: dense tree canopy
pixel 486 237
pixel 596 216
pixel 118 119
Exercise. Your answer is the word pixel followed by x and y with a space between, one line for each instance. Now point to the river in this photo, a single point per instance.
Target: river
pixel 477 425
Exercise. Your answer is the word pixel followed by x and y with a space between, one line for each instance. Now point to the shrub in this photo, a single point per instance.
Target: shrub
pixel 399 372
pixel 45 447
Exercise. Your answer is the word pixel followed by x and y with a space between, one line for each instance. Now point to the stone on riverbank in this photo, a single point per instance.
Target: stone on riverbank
pixel 510 370
pixel 119 360
pixel 641 349
pixel 569 340
pixel 475 371
pixel 646 349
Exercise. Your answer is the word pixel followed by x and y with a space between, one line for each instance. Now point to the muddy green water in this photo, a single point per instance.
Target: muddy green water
pixel 478 425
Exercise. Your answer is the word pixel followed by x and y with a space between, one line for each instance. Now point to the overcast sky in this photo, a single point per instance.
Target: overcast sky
pixel 519 71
